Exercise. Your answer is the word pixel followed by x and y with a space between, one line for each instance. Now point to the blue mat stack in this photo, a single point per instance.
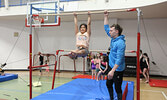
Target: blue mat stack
pixel 7 77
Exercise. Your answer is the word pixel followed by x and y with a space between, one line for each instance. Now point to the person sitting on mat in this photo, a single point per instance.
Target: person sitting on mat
pixel 103 68
pixel 82 38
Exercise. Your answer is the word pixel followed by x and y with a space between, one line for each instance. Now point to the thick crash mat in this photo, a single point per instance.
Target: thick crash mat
pixel 84 89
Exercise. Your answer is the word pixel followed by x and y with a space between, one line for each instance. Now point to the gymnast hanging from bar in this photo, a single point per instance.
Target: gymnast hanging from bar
pixel 82 38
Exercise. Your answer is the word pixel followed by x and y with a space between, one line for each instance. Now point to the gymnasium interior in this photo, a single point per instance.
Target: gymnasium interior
pixel 47 26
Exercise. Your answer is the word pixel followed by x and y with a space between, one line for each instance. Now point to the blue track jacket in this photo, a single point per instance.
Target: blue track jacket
pixel 117 51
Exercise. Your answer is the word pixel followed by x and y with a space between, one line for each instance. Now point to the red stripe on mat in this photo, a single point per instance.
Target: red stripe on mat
pixel 84 76
pixel 158 83
pixel 125 92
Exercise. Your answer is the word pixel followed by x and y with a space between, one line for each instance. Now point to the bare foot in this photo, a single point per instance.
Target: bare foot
pixel 146 81
pixel 72 55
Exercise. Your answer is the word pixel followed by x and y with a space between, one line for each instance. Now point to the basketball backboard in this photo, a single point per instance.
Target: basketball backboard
pixel 44 8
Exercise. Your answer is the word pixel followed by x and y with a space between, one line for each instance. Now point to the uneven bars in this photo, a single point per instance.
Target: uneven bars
pixel 39 66
pixel 126 51
pixel 91 12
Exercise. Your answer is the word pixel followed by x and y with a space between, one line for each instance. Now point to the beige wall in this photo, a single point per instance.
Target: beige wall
pixel 62 37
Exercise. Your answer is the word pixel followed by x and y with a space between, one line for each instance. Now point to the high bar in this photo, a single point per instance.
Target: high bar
pixel 86 12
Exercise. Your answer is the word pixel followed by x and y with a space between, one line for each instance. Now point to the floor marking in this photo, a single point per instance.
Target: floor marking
pixel 14 90
pixel 164 95
pixel 151 91
pixel 51 82
pixel 156 91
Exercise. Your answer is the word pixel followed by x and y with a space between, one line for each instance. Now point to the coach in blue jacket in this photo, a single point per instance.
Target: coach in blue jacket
pixel 116 57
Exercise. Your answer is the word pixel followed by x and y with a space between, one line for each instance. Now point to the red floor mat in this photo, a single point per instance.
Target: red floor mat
pixel 84 76
pixel 158 83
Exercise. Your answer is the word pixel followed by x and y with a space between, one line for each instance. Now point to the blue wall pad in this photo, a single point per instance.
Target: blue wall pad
pixel 7 77
pixel 83 89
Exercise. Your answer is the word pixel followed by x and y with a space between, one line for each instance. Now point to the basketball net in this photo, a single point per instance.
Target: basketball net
pixel 37 21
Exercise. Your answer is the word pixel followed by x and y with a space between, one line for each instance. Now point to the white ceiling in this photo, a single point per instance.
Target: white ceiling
pixel 153 11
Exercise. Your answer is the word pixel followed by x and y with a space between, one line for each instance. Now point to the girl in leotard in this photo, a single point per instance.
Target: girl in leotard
pixel 97 62
pixel 93 67
pixel 103 68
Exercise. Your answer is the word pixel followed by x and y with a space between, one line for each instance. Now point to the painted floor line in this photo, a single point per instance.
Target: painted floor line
pixel 151 91
pixel 14 90
pixel 51 82
pixel 164 95
pixel 156 91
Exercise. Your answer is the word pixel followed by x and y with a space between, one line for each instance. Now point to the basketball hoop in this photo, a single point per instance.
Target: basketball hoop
pixel 37 20
pixel 43 7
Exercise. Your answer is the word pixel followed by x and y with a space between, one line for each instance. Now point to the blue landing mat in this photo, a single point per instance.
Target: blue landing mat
pixel 83 89
pixel 7 77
